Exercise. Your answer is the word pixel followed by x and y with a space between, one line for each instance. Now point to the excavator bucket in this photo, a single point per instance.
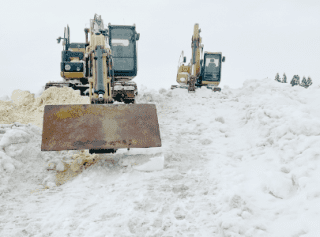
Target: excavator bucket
pixel 100 126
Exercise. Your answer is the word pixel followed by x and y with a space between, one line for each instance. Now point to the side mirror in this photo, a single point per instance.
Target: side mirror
pixel 223 58
pixel 58 40
pixel 184 59
pixel 138 36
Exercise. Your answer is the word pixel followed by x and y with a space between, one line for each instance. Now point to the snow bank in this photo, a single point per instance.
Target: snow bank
pixel 24 108
pixel 20 128
pixel 19 144
pixel 280 160
pixel 242 162
pixel 20 97
pixel 4 98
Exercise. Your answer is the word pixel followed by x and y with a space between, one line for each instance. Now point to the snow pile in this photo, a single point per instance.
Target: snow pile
pixel 289 125
pixel 23 98
pixel 242 162
pixel 20 129
pixel 20 153
pixel 68 165
pixel 19 149
pixel 270 171
pixel 4 98
pixel 25 108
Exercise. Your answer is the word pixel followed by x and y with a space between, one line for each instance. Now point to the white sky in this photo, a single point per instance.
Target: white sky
pixel 258 38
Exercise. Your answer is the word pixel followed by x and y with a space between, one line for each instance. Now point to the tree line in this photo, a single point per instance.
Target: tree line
pixel 295 81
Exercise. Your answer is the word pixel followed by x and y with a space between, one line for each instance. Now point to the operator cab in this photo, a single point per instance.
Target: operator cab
pixel 123 40
pixel 212 67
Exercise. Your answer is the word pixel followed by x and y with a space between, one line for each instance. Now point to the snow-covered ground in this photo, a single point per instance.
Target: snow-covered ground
pixel 242 162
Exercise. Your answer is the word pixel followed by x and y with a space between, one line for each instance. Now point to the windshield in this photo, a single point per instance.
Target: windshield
pixel 212 63
pixel 120 42
pixel 122 45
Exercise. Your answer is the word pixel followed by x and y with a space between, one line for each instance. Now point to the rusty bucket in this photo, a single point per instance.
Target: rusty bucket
pixel 100 126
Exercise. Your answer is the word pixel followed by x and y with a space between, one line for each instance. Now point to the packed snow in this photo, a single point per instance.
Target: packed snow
pixel 240 162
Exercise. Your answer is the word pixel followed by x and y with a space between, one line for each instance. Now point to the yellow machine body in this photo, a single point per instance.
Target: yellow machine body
pixel 101 127
pixel 197 73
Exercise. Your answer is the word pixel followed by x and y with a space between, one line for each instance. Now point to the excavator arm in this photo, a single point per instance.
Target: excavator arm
pixel 100 59
pixel 188 74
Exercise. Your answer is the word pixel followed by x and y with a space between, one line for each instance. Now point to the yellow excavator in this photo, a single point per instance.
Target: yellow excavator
pixel 103 68
pixel 203 70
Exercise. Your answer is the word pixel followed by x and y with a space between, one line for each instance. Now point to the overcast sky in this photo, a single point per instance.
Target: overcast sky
pixel 258 38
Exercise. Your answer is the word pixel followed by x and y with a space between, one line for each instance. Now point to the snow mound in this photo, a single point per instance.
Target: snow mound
pixel 20 97
pixel 19 151
pixel 24 108
pixel 68 168
pixel 4 98
pixel 14 136
pixel 242 162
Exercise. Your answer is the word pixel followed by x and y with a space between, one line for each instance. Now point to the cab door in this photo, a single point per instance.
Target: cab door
pixel 212 67
pixel 122 40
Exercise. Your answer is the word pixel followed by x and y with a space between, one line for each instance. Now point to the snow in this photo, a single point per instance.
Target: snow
pixel 242 162
pixel 155 163
pixel 25 108
pixel 4 97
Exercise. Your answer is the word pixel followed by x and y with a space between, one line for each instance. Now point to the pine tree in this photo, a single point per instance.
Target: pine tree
pixel 277 78
pixel 309 82
pixel 292 82
pixel 304 82
pixel 295 80
pixel 284 79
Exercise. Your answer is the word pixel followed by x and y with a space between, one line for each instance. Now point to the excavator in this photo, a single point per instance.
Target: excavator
pixel 203 69
pixel 101 68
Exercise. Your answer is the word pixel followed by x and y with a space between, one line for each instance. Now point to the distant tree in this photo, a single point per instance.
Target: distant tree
pixel 295 80
pixel 292 82
pixel 284 79
pixel 309 82
pixel 277 78
pixel 304 82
